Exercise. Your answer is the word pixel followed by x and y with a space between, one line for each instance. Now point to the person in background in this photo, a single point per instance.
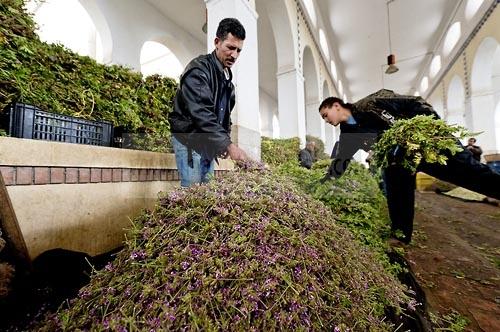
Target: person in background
pixel 306 155
pixel 363 122
pixel 474 149
pixel 201 119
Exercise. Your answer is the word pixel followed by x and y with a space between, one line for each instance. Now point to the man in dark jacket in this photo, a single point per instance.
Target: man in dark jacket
pixel 306 157
pixel 201 118
pixel 363 122
pixel 474 149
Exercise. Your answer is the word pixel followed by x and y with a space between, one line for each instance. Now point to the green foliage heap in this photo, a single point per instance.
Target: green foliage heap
pixel 355 198
pixel 275 152
pixel 246 252
pixel 55 79
pixel 422 139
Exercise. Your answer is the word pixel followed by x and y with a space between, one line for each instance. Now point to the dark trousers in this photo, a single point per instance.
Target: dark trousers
pixel 461 169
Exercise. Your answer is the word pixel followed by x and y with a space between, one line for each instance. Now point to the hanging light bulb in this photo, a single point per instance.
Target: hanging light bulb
pixel 391 62
pixel 391 59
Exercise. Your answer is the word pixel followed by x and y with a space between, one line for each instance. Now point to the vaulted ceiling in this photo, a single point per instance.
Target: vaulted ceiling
pixel 358 36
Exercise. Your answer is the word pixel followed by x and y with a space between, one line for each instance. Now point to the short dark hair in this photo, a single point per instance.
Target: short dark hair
pixel 328 102
pixel 230 25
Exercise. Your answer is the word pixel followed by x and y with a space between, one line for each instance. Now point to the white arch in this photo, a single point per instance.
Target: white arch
pixel 279 16
pixel 102 27
pixel 70 23
pixel 482 68
pixel 456 102
pixel 485 88
pixel 157 58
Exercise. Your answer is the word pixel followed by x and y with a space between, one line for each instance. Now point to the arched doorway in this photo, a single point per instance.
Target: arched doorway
pixel 158 59
pixel 68 23
pixel 268 67
pixel 485 93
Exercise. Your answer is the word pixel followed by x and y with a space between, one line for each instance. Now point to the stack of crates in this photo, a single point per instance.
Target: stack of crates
pixel 27 121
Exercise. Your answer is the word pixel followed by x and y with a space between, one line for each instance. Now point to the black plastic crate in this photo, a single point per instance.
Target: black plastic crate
pixel 27 121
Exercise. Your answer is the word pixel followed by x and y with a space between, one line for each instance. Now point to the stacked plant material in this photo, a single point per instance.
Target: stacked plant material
pixel 245 252
pixel 419 139
pixel 56 79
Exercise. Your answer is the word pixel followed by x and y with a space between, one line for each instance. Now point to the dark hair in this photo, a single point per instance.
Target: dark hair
pixel 328 102
pixel 230 25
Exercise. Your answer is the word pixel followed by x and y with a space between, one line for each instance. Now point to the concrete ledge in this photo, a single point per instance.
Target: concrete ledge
pixel 28 152
pixel 81 197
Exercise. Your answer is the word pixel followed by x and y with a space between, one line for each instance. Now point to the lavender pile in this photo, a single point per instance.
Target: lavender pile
pixel 246 252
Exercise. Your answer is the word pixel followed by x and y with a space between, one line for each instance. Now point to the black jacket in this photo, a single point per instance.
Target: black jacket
pixel 373 115
pixel 306 158
pixel 194 119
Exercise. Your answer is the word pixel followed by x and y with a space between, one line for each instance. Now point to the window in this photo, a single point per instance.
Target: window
pixel 435 66
pixel 310 10
pixel 452 38
pixel 472 8
pixel 424 84
pixel 333 68
pixel 324 43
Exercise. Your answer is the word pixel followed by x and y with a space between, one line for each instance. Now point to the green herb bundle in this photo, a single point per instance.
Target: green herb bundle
pixel 419 139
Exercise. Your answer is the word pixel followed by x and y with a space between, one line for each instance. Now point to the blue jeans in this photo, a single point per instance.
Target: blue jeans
pixel 200 172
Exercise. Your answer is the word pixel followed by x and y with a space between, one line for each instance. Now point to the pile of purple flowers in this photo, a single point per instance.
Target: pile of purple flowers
pixel 246 252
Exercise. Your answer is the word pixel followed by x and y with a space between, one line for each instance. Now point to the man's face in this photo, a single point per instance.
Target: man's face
pixel 472 141
pixel 228 50
pixel 335 114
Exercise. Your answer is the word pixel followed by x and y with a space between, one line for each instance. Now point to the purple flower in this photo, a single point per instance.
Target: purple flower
pixel 138 255
pixel 109 267
pixel 174 196
pixel 196 251
pixel 185 265
pixel 122 329
pixel 84 294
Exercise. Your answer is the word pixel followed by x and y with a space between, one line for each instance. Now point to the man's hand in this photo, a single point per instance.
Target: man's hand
pixel 235 153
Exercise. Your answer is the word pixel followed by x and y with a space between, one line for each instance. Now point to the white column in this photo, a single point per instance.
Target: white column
pixel 315 125
pixel 245 116
pixel 483 115
pixel 291 105
pixel 329 138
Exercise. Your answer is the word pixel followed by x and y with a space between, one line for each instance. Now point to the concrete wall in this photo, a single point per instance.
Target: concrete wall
pixel 80 197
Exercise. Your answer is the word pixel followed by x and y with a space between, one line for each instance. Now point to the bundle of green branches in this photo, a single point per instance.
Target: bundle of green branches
pixel 247 252
pixel 422 138
pixel 56 79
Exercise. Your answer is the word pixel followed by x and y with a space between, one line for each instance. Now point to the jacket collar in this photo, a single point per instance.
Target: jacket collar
pixel 220 67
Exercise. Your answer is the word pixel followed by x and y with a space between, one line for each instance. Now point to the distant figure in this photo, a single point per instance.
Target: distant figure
pixel 306 156
pixel 474 149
